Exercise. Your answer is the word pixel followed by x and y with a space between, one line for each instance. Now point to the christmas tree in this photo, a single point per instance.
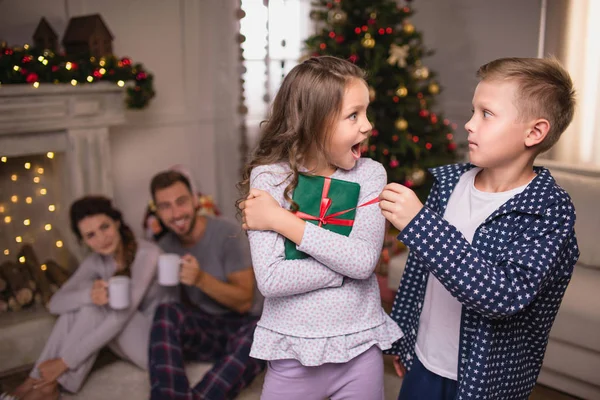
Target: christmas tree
pixel 408 136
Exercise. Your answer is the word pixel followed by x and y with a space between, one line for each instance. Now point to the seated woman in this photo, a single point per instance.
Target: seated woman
pixel 86 322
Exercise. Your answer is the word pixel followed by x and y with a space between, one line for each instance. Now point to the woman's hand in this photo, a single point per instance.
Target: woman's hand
pixel 100 292
pixel 50 370
pixel 260 211
pixel 399 367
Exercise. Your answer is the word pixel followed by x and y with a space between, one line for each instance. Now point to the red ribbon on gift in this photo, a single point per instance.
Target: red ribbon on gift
pixel 326 204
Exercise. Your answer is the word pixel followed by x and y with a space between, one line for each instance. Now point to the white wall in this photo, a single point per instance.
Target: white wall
pixel 190 47
pixel 466 34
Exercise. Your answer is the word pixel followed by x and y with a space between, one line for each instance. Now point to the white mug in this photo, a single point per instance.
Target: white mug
pixel 119 292
pixel 168 269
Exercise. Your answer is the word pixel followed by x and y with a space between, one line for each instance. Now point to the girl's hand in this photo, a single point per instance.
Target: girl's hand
pixel 100 292
pixel 50 370
pixel 259 211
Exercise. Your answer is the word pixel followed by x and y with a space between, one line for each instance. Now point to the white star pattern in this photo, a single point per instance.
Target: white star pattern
pixel 510 282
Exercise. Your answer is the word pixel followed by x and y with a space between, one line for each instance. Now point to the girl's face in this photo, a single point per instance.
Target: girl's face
pixel 101 233
pixel 351 127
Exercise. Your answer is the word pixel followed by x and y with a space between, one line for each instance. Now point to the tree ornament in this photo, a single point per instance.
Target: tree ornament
pixel 394 163
pixel 368 42
pixel 408 28
pixel 417 176
pixel 421 73
pixel 434 88
pixel 402 91
pixel 401 124
pixel 398 55
pixel 372 93
pixel 336 17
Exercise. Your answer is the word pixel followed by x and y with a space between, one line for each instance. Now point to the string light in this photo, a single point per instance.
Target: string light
pixel 121 83
pixel 22 259
pixel 40 171
pixel 43 267
pixel 48 227
pixel 6 252
pixel 27 165
pixel 50 155
pixel 27 222
pixel 14 177
pixel 28 200
pixel 74 82
pixel 7 219
pixel 59 243
pixel 43 191
pixel 1 209
pixel 18 239
pixel 14 198
pixel 36 85
pixel 51 207
pixel 36 179
pixel 90 79
pixel 68 66
pixel 4 159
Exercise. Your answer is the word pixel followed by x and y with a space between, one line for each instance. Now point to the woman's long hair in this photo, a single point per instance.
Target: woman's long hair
pixel 96 205
pixel 302 117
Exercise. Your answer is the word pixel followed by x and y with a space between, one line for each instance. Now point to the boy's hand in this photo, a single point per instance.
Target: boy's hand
pixel 259 211
pixel 399 205
pixel 400 369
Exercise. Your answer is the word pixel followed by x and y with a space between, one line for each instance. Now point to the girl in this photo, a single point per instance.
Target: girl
pixel 86 323
pixel 322 328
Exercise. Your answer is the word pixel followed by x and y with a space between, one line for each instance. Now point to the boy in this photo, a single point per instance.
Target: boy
pixel 492 250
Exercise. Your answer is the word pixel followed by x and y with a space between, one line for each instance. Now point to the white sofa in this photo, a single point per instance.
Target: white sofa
pixel 572 360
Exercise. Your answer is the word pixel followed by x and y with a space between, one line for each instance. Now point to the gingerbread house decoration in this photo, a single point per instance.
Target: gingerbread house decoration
pixel 44 36
pixel 88 34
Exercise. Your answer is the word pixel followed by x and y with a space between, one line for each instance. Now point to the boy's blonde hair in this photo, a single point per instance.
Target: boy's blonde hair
pixel 545 90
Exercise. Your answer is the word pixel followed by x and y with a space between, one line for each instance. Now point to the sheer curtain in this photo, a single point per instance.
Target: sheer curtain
pixel 579 50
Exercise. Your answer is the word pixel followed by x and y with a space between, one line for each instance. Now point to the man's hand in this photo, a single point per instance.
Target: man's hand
pixel 259 211
pixel 99 292
pixel 400 369
pixel 399 205
pixel 190 272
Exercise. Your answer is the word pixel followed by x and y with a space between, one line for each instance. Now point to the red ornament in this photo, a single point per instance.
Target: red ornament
pixel 388 30
pixel 446 121
pixel 385 152
pixel 365 28
pixel 32 77
pixel 8 52
pixel 357 30
pixel 372 147
pixel 428 146
pixel 406 9
pixel 434 118
pixel 126 61
pixel 329 5
pixel 332 34
pixel 420 95
pixel 381 31
pixel 322 46
pixel 415 139
pixel 339 39
pixel 424 113
pixel 396 99
pixel 97 74
pixel 371 21
pixel 449 136
pixel 452 146
pixel 353 58
pixel 54 68
pixel 394 163
pixel 141 76
pixel 374 132
pixel 27 59
pixel 408 183
pixel 395 138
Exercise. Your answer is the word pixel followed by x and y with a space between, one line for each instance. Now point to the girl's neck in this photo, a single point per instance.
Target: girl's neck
pixel 321 168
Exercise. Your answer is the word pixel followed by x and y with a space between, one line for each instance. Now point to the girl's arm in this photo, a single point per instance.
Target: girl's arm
pixel 76 291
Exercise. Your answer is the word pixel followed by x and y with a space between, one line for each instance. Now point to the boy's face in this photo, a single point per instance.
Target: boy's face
pixel 496 135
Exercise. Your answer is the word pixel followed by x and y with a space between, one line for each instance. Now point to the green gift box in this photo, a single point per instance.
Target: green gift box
pixel 326 202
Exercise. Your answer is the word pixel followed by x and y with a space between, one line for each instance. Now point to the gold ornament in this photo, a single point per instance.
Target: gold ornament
pixel 421 73
pixel 408 28
pixel 418 176
pixel 434 88
pixel 402 91
pixel 372 93
pixel 373 15
pixel 368 42
pixel 398 55
pixel 401 124
pixel 336 17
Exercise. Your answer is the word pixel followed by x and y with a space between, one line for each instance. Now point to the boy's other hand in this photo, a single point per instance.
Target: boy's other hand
pixel 259 211
pixel 399 205
pixel 399 367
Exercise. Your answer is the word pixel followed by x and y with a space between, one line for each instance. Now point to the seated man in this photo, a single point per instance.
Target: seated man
pixel 217 315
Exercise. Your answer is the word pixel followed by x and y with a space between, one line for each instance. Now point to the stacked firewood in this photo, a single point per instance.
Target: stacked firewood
pixel 27 282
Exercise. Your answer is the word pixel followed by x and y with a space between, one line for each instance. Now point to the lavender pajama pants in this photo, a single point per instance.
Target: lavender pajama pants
pixel 358 379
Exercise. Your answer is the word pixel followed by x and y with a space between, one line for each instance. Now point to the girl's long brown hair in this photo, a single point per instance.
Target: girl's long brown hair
pixel 95 205
pixel 301 117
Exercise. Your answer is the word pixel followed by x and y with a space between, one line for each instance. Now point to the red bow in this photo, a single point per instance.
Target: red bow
pixel 325 204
